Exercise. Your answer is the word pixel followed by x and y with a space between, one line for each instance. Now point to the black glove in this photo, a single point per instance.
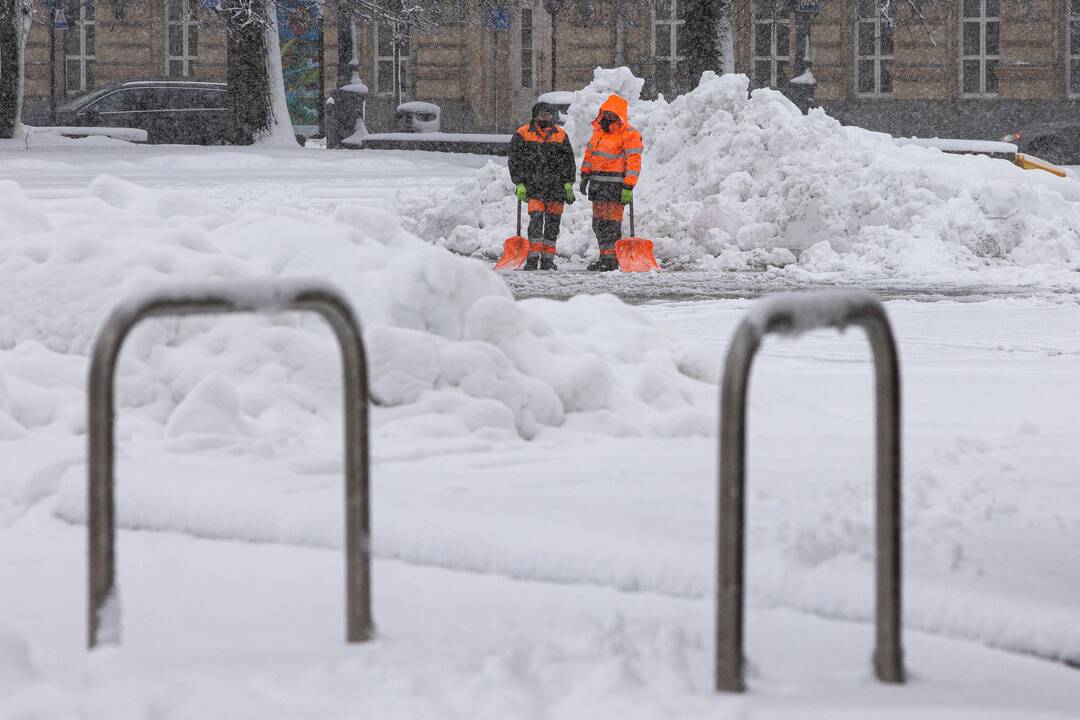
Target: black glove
pixel 584 186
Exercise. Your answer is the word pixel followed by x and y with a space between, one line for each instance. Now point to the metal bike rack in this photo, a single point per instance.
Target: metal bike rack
pixel 253 296
pixel 791 314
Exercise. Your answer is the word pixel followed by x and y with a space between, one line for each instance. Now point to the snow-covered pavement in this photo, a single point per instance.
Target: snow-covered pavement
pixel 237 630
pixel 307 179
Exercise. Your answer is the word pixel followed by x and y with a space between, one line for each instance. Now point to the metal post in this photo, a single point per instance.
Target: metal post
pixel 354 61
pixel 52 67
pixel 396 45
pixel 792 314
pixel 495 80
pixel 103 622
pixel 553 8
pixel 322 73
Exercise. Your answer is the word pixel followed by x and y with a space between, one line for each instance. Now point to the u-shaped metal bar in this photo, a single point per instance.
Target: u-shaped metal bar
pixel 791 314
pixel 103 623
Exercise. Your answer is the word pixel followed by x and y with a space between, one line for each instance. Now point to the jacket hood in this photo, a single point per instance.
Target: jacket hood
pixel 543 107
pixel 616 104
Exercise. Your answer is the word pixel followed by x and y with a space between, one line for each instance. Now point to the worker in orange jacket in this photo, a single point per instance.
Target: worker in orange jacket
pixel 609 173
pixel 542 168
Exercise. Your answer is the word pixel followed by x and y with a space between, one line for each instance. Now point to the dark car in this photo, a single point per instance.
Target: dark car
pixel 170 111
pixel 1056 142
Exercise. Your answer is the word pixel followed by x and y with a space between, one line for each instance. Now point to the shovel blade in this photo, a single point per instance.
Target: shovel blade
pixel 515 253
pixel 635 255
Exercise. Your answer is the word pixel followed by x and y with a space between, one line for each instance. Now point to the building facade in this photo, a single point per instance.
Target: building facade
pixel 969 68
pixel 973 68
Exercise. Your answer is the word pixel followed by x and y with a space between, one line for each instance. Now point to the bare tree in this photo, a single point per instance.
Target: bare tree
pixel 247 71
pixel 706 24
pixel 14 25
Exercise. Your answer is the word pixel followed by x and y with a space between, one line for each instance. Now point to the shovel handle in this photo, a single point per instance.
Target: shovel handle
pixel 519 218
pixel 632 233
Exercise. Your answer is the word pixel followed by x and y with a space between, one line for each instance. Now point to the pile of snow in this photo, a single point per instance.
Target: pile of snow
pixel 116 133
pixel 451 353
pixel 737 180
pixel 16 670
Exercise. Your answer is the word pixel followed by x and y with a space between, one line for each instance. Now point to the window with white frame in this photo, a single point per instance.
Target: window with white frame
pixel 980 47
pixel 182 49
pixel 672 75
pixel 392 75
pixel 526 48
pixel 80 40
pixel 772 43
pixel 873 50
pixel 1074 48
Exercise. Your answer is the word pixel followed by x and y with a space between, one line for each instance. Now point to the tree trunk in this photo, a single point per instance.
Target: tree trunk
pixel 248 95
pixel 706 22
pixel 11 65
pixel 727 39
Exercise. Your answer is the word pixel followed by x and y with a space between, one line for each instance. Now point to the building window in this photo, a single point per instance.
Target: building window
pixel 183 40
pixel 873 51
pixel 1074 48
pixel 79 46
pixel 980 35
pixel 672 76
pixel 526 48
pixel 392 69
pixel 772 43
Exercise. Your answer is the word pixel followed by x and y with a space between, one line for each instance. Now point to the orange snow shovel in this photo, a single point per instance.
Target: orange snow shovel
pixel 515 248
pixel 633 253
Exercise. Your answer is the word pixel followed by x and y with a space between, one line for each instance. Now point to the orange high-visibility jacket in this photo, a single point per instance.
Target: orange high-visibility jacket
pixel 613 157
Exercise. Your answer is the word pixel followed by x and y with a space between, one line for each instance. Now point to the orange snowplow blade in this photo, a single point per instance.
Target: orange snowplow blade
pixel 635 255
pixel 515 253
pixel 1030 162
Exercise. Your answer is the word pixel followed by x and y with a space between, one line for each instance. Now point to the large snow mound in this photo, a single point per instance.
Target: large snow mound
pixel 451 352
pixel 738 180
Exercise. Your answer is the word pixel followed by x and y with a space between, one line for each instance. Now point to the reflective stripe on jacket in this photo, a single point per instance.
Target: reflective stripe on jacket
pixel 613 156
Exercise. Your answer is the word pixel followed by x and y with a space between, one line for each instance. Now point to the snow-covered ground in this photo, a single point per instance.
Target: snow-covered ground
pixel 544 479
pixel 306 179
pixel 569 576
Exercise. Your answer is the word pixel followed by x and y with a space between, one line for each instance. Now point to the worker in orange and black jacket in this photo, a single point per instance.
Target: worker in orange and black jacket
pixel 542 167
pixel 609 173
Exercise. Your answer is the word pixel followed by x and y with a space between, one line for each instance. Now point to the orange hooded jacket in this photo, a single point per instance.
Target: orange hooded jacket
pixel 613 156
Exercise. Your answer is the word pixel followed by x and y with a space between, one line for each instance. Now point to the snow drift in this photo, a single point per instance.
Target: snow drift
pixel 451 352
pixel 736 180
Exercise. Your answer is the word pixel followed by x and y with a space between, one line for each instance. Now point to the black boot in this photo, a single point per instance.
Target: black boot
pixel 605 263
pixel 547 262
pixel 532 263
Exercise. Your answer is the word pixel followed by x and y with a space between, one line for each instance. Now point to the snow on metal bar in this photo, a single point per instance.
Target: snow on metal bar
pixel 797 312
pixel 792 314
pixel 103 617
